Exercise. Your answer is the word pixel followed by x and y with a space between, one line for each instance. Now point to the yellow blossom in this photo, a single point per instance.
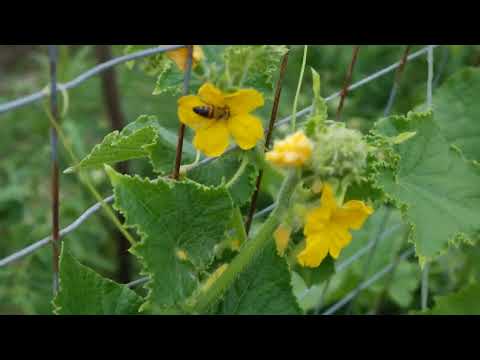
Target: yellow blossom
pixel 294 150
pixel 327 227
pixel 180 56
pixel 228 115
pixel 282 238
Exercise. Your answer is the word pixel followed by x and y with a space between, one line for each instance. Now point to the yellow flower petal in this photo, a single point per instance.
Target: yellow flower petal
pixel 244 101
pixel 186 114
pixel 339 235
pixel 352 214
pixel 213 140
pixel 180 56
pixel 316 250
pixel 316 220
pixel 211 95
pixel 246 129
pixel 334 250
pixel 282 238
pixel 294 150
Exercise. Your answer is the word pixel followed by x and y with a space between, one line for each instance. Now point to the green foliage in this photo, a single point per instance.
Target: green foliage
pixel 316 275
pixel 252 65
pixel 84 292
pixel 172 217
pixel 117 147
pixel 319 112
pixel 169 79
pixel 263 289
pixel 464 302
pixel 222 170
pixel 433 185
pixel 419 164
pixel 457 111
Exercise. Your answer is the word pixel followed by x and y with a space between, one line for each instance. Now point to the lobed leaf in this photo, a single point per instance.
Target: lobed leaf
pixel 84 292
pixel 172 217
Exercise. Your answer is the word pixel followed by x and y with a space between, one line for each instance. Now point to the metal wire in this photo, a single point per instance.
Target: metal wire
pixel 85 76
pixel 366 284
pixel 97 69
pixel 65 231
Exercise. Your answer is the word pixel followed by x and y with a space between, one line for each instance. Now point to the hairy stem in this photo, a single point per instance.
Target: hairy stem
pixel 248 252
pixel 299 86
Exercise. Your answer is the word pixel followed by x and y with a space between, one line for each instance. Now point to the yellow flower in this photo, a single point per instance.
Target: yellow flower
pixel 180 56
pixel 294 150
pixel 282 238
pixel 224 115
pixel 327 227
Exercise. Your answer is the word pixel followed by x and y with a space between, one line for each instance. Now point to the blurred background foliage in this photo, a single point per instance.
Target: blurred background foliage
pixel 25 286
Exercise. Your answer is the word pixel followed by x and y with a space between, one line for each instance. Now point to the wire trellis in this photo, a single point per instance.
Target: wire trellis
pixel 26 100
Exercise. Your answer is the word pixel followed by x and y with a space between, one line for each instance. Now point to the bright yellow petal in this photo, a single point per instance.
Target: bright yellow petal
pixel 328 199
pixel 180 56
pixel 316 220
pixel 315 251
pixel 340 235
pixel 197 55
pixel 246 129
pixel 211 95
pixel 212 141
pixel 244 101
pixel 334 250
pixel 352 214
pixel 282 238
pixel 186 114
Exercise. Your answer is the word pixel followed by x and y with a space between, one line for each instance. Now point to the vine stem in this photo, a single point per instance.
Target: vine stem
pixel 181 129
pixel 86 181
pixel 239 172
pixel 299 86
pixel 268 138
pixel 348 80
pixel 250 249
pixel 55 186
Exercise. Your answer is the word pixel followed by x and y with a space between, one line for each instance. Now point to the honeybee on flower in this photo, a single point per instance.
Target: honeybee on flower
pixel 216 117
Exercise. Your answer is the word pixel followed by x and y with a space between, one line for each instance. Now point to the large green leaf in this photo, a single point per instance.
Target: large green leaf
pixel 436 187
pixel 464 302
pixel 264 288
pixel 222 170
pixel 117 147
pixel 144 137
pixel 84 292
pixel 172 217
pixel 457 111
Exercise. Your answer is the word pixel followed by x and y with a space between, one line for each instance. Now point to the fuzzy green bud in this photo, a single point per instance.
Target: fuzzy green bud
pixel 339 153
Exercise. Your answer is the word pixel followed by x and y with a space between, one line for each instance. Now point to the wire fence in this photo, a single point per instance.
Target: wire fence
pixel 369 248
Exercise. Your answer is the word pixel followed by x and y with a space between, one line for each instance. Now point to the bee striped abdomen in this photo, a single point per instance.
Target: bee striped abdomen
pixel 205 111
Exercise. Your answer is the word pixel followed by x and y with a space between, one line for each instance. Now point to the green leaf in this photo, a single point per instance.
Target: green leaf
pixel 222 170
pixel 172 217
pixel 169 79
pixel 163 151
pixel 84 292
pixel 264 288
pixel 457 111
pixel 436 188
pixel 464 302
pixel 319 107
pixel 117 147
pixel 316 275
pixel 253 65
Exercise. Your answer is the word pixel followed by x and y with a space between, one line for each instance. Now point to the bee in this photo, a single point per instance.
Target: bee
pixel 212 112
